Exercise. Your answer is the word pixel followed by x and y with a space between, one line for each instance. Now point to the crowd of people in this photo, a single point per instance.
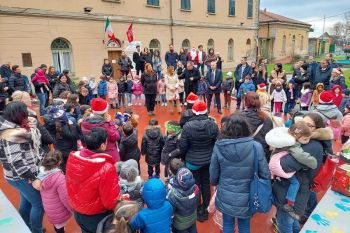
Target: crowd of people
pixel 78 160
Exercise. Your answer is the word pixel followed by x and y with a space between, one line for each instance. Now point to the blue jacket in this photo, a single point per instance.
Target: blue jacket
pixel 102 88
pixel 171 58
pixel 289 95
pixel 202 87
pixel 344 101
pixel 231 168
pixel 323 76
pixel 156 218
pixel 312 69
pixel 244 88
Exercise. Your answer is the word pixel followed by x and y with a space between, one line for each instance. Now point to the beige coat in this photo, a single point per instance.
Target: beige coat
pixel 172 85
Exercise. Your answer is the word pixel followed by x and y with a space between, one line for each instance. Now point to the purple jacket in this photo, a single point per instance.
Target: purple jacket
pixel 54 196
pixel 305 98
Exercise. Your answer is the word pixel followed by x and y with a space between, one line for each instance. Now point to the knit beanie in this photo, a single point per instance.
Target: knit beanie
pixel 184 179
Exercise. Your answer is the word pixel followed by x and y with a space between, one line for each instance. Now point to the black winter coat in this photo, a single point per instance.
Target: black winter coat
pixel 17 83
pixel 185 117
pixel 4 93
pixel 122 86
pixel 53 79
pixel 128 148
pixel 227 85
pixel 107 70
pixel 129 85
pixel 136 58
pixel 197 140
pixel 5 71
pixel 152 145
pixel 61 87
pixel 146 58
pixel 259 78
pixel 39 86
pixel 149 83
pixel 170 149
pixel 191 85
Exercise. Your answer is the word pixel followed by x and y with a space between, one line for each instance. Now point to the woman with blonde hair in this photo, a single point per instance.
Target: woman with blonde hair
pixel 172 85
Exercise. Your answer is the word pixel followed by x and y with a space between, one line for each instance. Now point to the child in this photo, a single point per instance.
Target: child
pixel 129 84
pixel 227 87
pixel 292 96
pixel 337 95
pixel 121 91
pixel 279 97
pixel 245 87
pixel 128 147
pixel 137 89
pixel 202 89
pixel 161 91
pixel 152 146
pixel 184 196
pixel 261 88
pixel 345 129
pixel 119 221
pixel 41 79
pixel 92 88
pixel 345 100
pixel 84 96
pixel 102 87
pixel 316 94
pixel 85 111
pixel 74 100
pixel 306 95
pixel 69 108
pixel 289 141
pixel 170 149
pixel 112 90
pixel 53 191
pixel 157 216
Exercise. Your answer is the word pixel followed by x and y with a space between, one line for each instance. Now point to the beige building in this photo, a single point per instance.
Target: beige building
pixel 281 38
pixel 70 34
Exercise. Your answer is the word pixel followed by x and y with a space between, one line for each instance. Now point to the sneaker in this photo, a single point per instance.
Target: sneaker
pixel 165 104
pixel 290 210
pixel 129 105
pixel 185 104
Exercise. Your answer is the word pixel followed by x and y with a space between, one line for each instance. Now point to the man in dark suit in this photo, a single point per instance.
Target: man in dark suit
pixel 139 63
pixel 242 70
pixel 214 80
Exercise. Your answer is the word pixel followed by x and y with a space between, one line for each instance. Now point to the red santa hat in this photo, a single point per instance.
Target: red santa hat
pixel 192 98
pixel 200 108
pixel 326 97
pixel 99 106
pixel 262 86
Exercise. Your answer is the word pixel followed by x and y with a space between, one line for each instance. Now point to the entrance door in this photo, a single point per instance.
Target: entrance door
pixel 113 57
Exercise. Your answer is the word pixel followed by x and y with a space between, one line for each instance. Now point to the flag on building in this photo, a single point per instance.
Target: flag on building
pixel 130 34
pixel 109 30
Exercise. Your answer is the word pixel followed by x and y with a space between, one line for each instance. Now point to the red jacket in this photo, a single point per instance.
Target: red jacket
pixel 337 98
pixel 193 59
pixel 92 182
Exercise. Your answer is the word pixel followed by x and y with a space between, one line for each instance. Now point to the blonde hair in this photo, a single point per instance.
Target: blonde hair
pixel 21 96
pixel 299 129
pixel 170 70
pixel 123 213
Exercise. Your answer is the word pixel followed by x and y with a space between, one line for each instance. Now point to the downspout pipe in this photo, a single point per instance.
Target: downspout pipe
pixel 171 22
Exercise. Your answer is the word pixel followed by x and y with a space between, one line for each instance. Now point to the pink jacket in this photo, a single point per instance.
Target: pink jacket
pixel 112 89
pixel 345 129
pixel 161 87
pixel 137 88
pixel 276 168
pixel 55 198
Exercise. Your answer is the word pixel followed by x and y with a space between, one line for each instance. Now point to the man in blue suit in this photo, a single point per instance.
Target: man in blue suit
pixel 214 80
pixel 242 70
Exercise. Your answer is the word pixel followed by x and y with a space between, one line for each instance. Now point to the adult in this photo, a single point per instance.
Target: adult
pixel 214 80
pixel 323 74
pixel 236 150
pixel 196 145
pixel 136 58
pixel 193 56
pixel 191 76
pixel 125 64
pixel 303 77
pixel 259 123
pixel 17 81
pixel 312 66
pixel 171 91
pixel 254 72
pixel 277 75
pixel 296 69
pixel 101 118
pixel 149 84
pixel 52 76
pixel 5 71
pixel 180 69
pixel 337 78
pixel 326 108
pixel 157 63
pixel 331 61
pixel 61 86
pixel 146 56
pixel 242 70
pixel 20 155
pixel 42 90
pixel 202 57
pixel 171 56
pixel 261 76
pixel 107 68
pixel 210 58
pixel 183 58
pixel 92 181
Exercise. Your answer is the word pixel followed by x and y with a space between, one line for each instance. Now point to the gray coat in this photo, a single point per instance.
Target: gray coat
pixel 232 170
pixel 328 111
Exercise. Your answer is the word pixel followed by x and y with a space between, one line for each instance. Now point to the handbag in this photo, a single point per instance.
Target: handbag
pixel 340 182
pixel 324 175
pixel 260 197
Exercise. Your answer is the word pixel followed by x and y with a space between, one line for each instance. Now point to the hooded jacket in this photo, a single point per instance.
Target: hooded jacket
pixel 61 87
pixel 244 88
pixel 233 191
pixel 112 89
pixel 134 189
pixel 137 87
pixel 328 111
pixel 170 149
pixel 340 80
pixel 156 218
pixel 106 224
pixel 102 88
pixel 92 182
pixel 227 85
pixel 122 86
pixel 152 145
pixel 305 99
pixel 337 98
pixel 112 133
pixel 128 148
pixel 54 196
pixel 316 94
pixel 323 76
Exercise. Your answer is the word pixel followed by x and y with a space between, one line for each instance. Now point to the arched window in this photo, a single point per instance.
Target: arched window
pixel 230 50
pixel 186 45
pixel 153 45
pixel 284 40
pixel 302 43
pixel 210 44
pixel 61 54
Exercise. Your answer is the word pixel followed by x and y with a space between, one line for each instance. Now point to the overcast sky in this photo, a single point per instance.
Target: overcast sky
pixel 309 11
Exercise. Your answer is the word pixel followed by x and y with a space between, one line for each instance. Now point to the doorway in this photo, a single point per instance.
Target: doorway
pixel 113 57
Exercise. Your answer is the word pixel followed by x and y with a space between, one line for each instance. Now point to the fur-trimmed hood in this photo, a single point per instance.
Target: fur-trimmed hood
pixel 279 138
pixel 322 134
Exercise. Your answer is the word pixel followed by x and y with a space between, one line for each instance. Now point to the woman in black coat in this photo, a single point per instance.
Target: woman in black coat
pixel 146 56
pixel 149 84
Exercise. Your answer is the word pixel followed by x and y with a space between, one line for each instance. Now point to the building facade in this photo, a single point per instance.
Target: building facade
pixel 70 34
pixel 281 38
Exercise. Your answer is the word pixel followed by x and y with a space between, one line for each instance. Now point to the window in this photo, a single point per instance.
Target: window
pixel 27 60
pixel 185 4
pixel 293 44
pixel 153 45
pixel 61 54
pixel 186 45
pixel 250 9
pixel 230 50
pixel 231 8
pixel 284 40
pixel 211 6
pixel 210 44
pixel 302 43
pixel 153 2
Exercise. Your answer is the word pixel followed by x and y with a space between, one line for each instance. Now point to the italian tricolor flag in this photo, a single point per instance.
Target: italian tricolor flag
pixel 109 30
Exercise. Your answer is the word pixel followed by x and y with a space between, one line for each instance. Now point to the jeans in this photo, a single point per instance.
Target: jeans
pixel 163 98
pixel 228 225
pixel 285 223
pixel 217 97
pixel 293 188
pixel 30 206
pixel 152 168
pixel 121 99
pixel 288 107
pixel 150 100
pixel 129 97
pixel 311 204
pixel 88 223
pixel 200 67
pixel 42 98
pixel 191 229
pixel 201 177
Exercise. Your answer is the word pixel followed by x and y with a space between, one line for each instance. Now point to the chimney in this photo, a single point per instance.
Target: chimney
pixel 265 10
